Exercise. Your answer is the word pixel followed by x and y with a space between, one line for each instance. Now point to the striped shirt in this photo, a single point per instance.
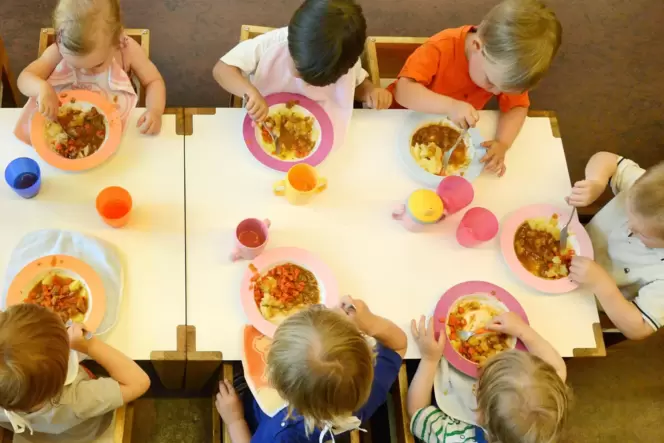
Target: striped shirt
pixel 431 425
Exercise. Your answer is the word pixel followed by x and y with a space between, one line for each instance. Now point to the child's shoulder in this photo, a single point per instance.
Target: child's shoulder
pixel 450 35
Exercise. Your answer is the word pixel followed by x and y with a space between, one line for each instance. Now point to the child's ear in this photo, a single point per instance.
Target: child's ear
pixel 476 44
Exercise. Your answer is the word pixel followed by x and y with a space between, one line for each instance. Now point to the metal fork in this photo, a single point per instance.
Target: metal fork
pixel 465 335
pixel 262 125
pixel 564 232
pixel 448 154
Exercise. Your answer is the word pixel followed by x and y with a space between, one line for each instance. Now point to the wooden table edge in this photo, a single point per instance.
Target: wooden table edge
pixel 553 120
pixel 599 350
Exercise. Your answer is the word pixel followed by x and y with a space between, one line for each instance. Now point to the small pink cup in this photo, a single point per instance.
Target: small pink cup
pixel 477 226
pixel 456 193
pixel 251 237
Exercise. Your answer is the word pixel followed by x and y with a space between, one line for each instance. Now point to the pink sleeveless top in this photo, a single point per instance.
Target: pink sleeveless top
pixel 114 84
pixel 274 74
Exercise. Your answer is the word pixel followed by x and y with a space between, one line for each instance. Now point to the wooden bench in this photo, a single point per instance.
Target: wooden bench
pixel 385 56
pixel 9 93
pixel 142 37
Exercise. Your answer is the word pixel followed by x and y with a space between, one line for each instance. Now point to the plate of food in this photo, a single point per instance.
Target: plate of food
pixel 471 306
pixel 427 137
pixel 303 129
pixel 86 133
pixel 530 242
pixel 283 281
pixel 64 284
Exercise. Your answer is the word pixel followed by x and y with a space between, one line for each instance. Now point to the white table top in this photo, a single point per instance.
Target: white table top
pixel 399 274
pixel 151 245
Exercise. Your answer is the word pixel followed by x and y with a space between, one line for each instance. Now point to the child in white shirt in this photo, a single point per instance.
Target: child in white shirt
pixel 35 402
pixel 521 396
pixel 627 275
pixel 317 56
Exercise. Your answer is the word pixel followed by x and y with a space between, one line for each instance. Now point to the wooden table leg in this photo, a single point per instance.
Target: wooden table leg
pixel 170 366
pixel 598 351
pixel 179 119
pixel 189 120
pixel 201 365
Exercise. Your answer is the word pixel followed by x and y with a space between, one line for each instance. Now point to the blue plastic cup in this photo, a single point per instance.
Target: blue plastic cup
pixel 24 177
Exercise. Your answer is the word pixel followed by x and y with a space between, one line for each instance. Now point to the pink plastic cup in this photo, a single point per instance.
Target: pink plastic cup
pixel 477 226
pixel 251 237
pixel 456 193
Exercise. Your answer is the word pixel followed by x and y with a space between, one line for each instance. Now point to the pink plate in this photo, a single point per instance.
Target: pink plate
pixel 324 145
pixel 449 299
pixel 578 236
pixel 329 293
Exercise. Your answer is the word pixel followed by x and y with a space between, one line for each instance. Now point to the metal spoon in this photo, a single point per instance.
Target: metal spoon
pixel 564 232
pixel 448 153
pixel 465 335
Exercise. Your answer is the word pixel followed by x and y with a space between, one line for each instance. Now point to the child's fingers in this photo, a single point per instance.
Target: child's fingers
pixel 423 326
pixel 223 389
pixel 430 327
pixel 229 387
pixel 413 329
pixel 141 120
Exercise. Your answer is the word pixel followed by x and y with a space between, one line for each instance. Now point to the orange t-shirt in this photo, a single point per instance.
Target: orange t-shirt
pixel 441 65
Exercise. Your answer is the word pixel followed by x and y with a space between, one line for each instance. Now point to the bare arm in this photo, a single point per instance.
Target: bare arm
pixel 419 392
pixel 148 74
pixel 624 315
pixel 133 381
pixel 34 76
pixel 601 167
pixel 388 334
pixel 231 79
pixel 364 89
pixel 413 95
pixel 509 125
pixel 239 432
pixel 541 348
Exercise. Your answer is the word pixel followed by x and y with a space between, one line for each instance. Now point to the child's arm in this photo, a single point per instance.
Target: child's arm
pixel 509 125
pixel 133 381
pixel 230 409
pixel 375 98
pixel 413 95
pixel 599 170
pixel 511 324
pixel 383 330
pixel 419 392
pixel 155 88
pixel 624 314
pixel 232 80
pixel 32 82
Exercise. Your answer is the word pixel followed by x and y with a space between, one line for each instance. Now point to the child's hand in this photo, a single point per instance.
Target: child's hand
pixel 508 323
pixel 48 101
pixel 585 192
pixel 359 313
pixel 150 122
pixel 378 98
pixel 430 349
pixel 495 157
pixel 256 105
pixel 585 271
pixel 464 114
pixel 77 340
pixel 228 404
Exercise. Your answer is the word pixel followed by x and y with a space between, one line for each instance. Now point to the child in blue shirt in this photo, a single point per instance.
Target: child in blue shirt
pixel 322 364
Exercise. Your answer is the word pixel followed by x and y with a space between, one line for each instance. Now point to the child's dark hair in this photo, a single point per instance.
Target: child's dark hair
pixel 326 39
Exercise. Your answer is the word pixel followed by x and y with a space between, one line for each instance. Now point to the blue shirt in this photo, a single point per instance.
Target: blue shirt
pixel 278 429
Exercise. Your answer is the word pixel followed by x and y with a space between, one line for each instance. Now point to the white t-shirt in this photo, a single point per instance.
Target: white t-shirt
pixel 81 414
pixel 637 270
pixel 247 54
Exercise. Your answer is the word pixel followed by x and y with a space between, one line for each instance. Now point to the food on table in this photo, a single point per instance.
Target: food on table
pixel 295 131
pixel 537 246
pixel 284 290
pixel 77 133
pixel 475 315
pixel 429 143
pixel 63 295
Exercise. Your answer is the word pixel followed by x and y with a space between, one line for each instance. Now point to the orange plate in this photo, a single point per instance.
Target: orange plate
pixel 107 149
pixel 30 275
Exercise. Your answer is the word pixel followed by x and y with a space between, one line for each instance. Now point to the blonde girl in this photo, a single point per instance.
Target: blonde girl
pixel 91 52
pixel 320 362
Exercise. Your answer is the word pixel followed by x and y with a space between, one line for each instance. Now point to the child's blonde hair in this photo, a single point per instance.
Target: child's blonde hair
pixel 77 23
pixel 523 37
pixel 521 398
pixel 35 353
pixel 322 365
pixel 646 196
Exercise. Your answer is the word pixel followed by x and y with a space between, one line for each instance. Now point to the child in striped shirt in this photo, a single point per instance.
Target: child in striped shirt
pixel 521 396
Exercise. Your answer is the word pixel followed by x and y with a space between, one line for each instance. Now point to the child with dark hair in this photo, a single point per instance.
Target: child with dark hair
pixel 317 56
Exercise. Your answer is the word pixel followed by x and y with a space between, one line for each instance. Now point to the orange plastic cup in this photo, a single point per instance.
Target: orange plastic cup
pixel 114 205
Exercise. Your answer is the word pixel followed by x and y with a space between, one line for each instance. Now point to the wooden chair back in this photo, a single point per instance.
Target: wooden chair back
pixel 9 93
pixel 387 55
pixel 142 37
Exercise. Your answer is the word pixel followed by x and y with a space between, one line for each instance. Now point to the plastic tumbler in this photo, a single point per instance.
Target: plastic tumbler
pixel 477 226
pixel 456 193
pixel 24 177
pixel 114 205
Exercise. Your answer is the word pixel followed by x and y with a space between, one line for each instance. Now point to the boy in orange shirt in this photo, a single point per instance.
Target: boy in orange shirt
pixel 457 71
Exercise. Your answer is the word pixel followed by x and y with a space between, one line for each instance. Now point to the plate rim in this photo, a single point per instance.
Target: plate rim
pixel 106 150
pixel 322 271
pixel 326 133
pixel 88 274
pixel 450 297
pixel 510 224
